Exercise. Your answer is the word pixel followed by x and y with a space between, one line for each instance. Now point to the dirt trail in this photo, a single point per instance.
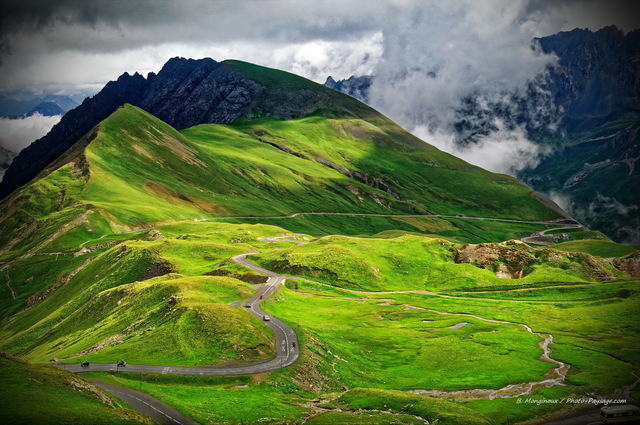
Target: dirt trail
pixel 13 293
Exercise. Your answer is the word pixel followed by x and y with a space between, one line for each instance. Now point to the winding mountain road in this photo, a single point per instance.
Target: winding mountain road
pixel 539 239
pixel 287 345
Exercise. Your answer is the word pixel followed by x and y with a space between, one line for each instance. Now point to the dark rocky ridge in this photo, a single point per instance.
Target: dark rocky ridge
pixel 186 92
pixel 598 73
pixel 357 87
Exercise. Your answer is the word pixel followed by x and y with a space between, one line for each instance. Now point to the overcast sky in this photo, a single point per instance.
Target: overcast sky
pixel 76 46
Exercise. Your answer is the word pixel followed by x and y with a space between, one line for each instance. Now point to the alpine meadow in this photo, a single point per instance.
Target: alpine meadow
pixel 248 246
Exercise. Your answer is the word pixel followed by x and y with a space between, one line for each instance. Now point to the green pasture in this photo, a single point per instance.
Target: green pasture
pixel 46 395
pixel 220 400
pixel 419 263
pixel 375 342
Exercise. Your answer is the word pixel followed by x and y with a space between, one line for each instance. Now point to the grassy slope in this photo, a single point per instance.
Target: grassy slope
pixel 46 395
pixel 418 263
pixel 138 170
pixel 348 342
pixel 604 249
pixel 105 303
pixel 394 347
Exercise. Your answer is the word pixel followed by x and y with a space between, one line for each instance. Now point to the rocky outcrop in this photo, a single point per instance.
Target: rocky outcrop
pixel 515 259
pixel 511 260
pixel 357 87
pixel 629 265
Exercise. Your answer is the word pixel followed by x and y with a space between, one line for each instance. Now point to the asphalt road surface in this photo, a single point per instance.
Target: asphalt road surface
pixel 147 405
pixel 587 418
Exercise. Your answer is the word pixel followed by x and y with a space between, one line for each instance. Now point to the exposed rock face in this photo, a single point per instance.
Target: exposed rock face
pixel 509 260
pixel 357 87
pixel 186 92
pixel 514 260
pixel 597 73
pixel 629 265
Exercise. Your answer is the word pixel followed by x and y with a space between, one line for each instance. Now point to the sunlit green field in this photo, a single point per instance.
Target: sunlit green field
pixel 353 336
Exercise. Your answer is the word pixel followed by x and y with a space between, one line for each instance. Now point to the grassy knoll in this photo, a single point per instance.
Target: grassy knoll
pixel 419 263
pixel 220 400
pixel 600 248
pixel 46 395
pixel 108 305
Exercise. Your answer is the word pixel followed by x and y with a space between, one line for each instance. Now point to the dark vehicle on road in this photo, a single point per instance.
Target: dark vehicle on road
pixel 248 305
pixel 620 414
pixel 122 363
pixel 84 364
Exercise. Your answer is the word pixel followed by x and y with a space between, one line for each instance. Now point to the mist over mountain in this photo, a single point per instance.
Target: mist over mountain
pixel 570 132
pixel 45 105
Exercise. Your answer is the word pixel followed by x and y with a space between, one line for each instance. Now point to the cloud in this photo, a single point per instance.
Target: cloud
pixel 427 55
pixel 91 42
pixel 503 151
pixel 17 134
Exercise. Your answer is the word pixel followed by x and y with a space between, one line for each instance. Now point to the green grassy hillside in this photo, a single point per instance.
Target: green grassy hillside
pixel 147 301
pixel 420 263
pixel 46 395
pixel 133 170
pixel 121 250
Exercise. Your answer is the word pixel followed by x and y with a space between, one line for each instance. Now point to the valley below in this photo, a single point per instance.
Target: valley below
pixel 459 345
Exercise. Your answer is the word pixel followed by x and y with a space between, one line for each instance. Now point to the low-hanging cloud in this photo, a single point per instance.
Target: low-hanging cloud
pixel 474 51
pixel 505 151
pixel 17 134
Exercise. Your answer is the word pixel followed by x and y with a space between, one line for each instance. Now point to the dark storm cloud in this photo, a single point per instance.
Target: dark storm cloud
pixel 591 14
pixel 127 24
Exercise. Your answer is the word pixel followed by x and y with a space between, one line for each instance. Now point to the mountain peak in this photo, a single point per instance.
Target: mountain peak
pixel 185 93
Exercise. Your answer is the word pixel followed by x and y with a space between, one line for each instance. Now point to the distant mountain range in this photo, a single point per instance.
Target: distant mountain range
pixel 586 111
pixel 48 106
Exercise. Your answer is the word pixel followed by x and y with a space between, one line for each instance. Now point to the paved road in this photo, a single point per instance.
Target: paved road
pixel 536 239
pixel 588 418
pixel 147 405
pixel 287 345
pixel 294 215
